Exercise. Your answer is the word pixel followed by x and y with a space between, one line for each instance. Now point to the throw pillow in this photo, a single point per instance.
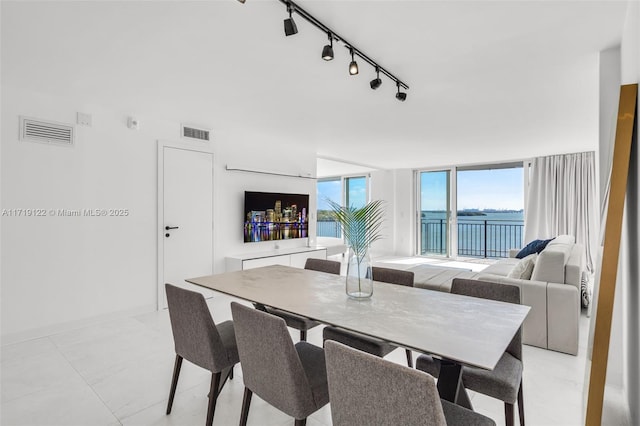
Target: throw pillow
pixel 535 246
pixel 524 268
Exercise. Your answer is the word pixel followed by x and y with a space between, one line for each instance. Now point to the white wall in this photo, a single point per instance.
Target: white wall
pixel 625 340
pixel 229 187
pixel 406 210
pixel 630 60
pixel 609 97
pixel 63 269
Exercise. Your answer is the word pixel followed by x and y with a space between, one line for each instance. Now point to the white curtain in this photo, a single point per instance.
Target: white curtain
pixel 562 199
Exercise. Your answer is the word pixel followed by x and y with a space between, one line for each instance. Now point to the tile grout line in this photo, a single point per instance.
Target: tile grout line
pixel 87 383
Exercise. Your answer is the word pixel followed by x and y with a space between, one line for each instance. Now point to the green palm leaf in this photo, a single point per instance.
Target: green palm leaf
pixel 361 227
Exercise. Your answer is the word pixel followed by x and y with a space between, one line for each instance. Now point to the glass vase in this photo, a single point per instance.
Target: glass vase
pixel 359 284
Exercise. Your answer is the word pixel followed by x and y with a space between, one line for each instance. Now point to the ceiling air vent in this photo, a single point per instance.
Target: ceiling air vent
pixel 46 132
pixel 196 133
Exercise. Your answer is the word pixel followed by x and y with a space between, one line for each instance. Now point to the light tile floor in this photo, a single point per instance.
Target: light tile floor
pixel 118 373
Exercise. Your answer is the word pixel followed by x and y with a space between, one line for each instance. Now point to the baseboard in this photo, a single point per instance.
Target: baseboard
pixel 48 330
pixel 615 410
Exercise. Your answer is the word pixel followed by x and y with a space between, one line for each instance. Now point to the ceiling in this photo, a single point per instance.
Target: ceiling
pixel 489 80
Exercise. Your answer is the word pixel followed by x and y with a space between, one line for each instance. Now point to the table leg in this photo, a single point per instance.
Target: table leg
pixel 450 384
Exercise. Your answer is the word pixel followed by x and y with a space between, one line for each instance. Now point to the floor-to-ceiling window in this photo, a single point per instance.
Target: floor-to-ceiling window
pixel 434 212
pixel 470 211
pixel 355 191
pixel 349 191
pixel 490 210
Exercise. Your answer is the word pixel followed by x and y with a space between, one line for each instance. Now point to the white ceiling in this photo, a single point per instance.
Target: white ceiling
pixel 489 80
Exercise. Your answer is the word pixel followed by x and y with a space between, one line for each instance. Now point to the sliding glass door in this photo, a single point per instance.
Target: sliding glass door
pixel 434 212
pixel 490 213
pixel 349 191
pixel 471 211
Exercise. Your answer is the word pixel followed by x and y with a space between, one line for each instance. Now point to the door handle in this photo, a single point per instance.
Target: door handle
pixel 171 227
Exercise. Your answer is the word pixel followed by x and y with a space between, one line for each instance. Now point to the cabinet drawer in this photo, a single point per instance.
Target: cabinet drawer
pixel 266 261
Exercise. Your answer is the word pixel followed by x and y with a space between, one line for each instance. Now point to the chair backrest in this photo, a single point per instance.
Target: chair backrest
pixel 271 367
pixel 322 265
pixel 492 291
pixel 195 334
pixel 366 390
pixel 392 276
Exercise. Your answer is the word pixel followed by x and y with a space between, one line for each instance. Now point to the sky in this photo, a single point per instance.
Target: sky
pixel 477 189
pixel 331 189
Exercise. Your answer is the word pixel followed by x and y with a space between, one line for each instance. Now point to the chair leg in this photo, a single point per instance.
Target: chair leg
pixel 213 397
pixel 246 402
pixel 521 405
pixel 231 373
pixel 174 381
pixel 508 414
pixel 409 358
pixel 302 422
pixel 303 335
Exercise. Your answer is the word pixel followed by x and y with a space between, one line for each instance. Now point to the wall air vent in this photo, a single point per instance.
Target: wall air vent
pixel 46 132
pixel 196 133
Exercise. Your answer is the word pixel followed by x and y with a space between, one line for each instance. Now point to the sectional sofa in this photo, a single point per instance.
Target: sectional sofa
pixel 552 292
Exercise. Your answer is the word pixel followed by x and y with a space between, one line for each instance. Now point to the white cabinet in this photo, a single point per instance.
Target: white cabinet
pixel 266 261
pixel 295 257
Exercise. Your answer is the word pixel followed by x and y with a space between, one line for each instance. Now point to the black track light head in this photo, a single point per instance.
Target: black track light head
pixel 401 96
pixel 353 66
pixel 290 27
pixel 327 51
pixel 376 82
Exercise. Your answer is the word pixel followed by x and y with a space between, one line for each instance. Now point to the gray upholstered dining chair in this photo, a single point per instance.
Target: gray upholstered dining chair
pixel 504 382
pixel 369 344
pixel 367 390
pixel 292 378
pixel 297 321
pixel 200 341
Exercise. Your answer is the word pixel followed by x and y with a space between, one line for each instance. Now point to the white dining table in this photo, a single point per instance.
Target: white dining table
pixel 460 330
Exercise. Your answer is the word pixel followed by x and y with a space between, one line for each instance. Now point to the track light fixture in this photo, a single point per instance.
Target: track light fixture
pixel 401 96
pixel 376 82
pixel 290 27
pixel 353 66
pixel 327 51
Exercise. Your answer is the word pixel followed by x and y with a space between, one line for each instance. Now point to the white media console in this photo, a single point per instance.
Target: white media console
pixel 295 257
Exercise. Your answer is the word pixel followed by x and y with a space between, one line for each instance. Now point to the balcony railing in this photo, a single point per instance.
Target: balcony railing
pixel 328 228
pixel 476 238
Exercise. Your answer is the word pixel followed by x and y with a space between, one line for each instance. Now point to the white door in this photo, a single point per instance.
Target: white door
pixel 186 218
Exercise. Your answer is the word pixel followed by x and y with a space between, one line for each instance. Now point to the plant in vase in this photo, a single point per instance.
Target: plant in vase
pixel 361 227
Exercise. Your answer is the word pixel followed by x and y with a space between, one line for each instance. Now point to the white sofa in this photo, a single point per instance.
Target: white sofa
pixel 553 293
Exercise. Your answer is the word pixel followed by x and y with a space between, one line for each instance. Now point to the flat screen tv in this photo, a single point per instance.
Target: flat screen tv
pixel 272 216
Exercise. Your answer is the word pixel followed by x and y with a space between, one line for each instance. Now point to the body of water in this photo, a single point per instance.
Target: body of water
pixel 491 217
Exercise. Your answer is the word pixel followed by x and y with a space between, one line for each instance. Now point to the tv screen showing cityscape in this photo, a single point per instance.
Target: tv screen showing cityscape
pixel 272 216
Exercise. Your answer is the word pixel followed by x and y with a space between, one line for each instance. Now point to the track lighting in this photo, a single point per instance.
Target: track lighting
pixel 376 82
pixel 353 66
pixel 327 51
pixel 290 27
pixel 401 96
